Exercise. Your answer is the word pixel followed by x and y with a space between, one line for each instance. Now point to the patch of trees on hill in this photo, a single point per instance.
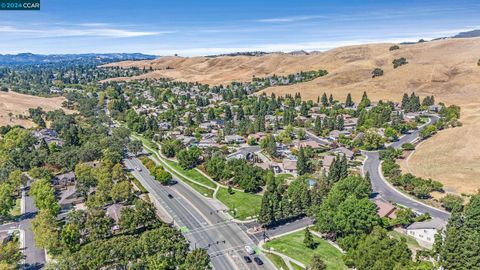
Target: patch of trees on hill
pixel 399 62
pixel 394 47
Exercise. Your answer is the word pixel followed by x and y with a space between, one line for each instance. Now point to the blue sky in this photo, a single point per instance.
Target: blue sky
pixel 205 27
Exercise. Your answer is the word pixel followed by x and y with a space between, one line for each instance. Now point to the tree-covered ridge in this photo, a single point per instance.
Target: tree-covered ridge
pixel 55 78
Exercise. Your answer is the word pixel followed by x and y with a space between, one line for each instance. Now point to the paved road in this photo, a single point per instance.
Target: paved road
pixel 199 221
pixel 385 190
pixel 278 230
pixel 34 257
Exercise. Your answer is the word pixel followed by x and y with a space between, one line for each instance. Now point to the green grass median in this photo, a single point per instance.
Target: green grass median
pixel 247 204
pixel 292 245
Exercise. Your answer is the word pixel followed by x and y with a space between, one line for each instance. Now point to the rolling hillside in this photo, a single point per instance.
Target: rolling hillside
pixel 445 68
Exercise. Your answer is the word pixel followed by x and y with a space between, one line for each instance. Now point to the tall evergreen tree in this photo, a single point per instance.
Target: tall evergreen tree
pixel 349 101
pixel 324 100
pixel 308 239
pixel 302 166
pixel 405 101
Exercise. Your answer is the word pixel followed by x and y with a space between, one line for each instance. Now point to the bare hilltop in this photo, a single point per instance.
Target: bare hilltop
pixel 445 68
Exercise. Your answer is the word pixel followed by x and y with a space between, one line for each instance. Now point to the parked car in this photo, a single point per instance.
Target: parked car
pixel 247 259
pixel 249 250
pixel 258 260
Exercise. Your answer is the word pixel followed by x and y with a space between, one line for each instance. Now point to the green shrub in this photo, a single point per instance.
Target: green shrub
pixel 399 62
pixel 376 72
pixel 394 47
pixel 408 146
pixel 451 202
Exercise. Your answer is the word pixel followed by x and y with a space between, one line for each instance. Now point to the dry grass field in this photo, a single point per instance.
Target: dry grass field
pixel 446 69
pixel 15 104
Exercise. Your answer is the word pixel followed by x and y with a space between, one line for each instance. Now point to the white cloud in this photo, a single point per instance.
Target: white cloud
pixel 289 19
pixel 79 30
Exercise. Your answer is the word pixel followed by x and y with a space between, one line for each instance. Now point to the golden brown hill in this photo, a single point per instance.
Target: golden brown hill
pixel 224 69
pixel 446 69
pixel 13 104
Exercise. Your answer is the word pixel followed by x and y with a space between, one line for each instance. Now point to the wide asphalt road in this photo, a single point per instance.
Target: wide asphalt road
pixel 381 187
pixel 199 221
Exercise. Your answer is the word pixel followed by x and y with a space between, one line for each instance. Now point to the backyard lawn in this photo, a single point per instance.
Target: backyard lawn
pixel 292 246
pixel 411 242
pixel 247 205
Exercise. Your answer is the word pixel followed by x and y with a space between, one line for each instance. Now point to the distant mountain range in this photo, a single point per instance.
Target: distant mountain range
pixel 468 34
pixel 37 59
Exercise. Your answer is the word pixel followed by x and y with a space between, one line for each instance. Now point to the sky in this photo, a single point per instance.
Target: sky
pixel 204 27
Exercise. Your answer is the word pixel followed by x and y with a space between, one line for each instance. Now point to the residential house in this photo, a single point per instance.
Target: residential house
pixel 335 134
pixel 435 108
pixel 309 143
pixel 290 166
pixel 327 162
pixel 234 139
pixel 257 136
pixel 424 232
pixel 65 179
pixel 186 140
pixel 48 135
pixel 385 209
pixel 349 154
pixel 114 211
pixel 409 117
pixel 350 123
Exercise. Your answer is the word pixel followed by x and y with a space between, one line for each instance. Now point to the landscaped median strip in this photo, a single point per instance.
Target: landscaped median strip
pixel 200 187
pixel 246 205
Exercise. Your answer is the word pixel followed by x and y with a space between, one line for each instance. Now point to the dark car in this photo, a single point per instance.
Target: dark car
pixel 247 259
pixel 258 260
pixel 170 196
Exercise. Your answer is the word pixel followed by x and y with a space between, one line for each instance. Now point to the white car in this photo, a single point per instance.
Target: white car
pixel 249 250
pixel 138 169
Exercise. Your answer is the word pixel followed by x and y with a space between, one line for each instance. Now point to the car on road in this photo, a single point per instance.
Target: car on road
pixel 258 260
pixel 170 196
pixel 138 169
pixel 249 250
pixel 247 259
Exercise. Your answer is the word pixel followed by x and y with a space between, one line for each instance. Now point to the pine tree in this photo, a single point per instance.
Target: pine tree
pixel 324 100
pixel 240 114
pixel 349 102
pixel 308 239
pixel 405 102
pixel 331 100
pixel 339 123
pixel 228 113
pixel 304 109
pixel 317 263
pixel 302 166
pixel 318 128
